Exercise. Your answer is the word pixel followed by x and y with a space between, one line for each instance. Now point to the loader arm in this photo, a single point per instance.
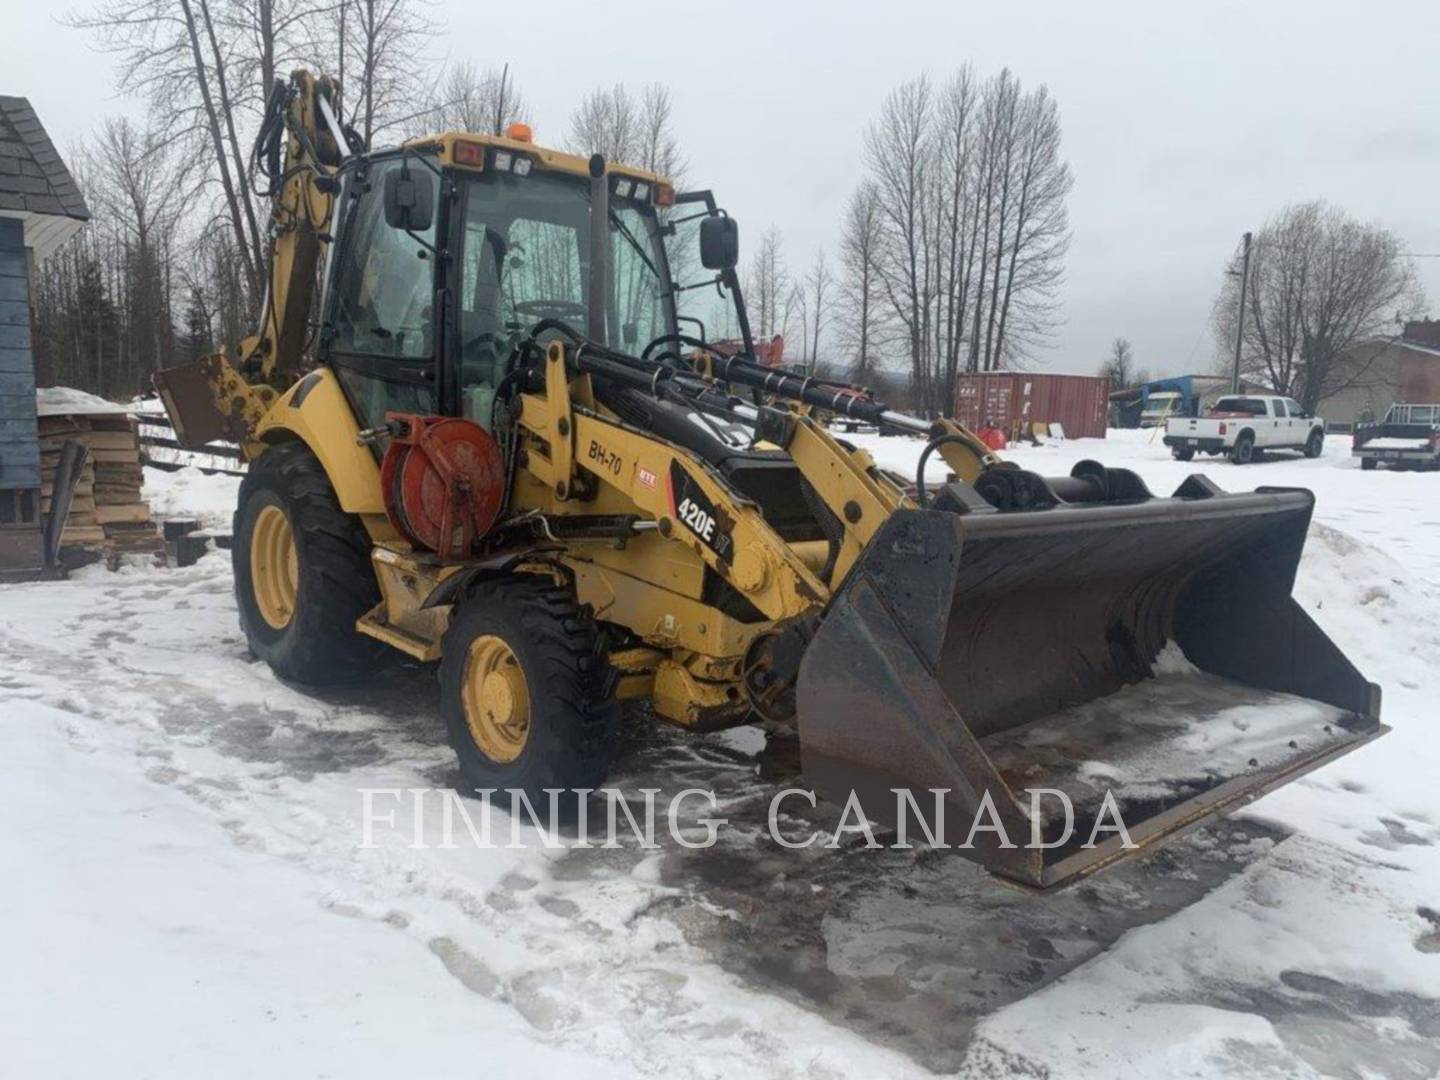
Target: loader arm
pixel 679 492
pixel 752 558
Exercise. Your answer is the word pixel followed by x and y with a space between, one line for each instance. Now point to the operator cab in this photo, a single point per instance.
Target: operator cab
pixel 454 253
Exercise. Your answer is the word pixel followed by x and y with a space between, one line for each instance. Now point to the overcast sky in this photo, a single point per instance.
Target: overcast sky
pixel 1183 128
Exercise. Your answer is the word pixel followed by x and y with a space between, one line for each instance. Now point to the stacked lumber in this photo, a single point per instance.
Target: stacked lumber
pixel 108 510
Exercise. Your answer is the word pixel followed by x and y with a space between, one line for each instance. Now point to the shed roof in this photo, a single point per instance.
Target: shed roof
pixel 35 185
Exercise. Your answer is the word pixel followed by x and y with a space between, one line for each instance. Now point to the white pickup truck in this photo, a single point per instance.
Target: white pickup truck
pixel 1408 438
pixel 1244 425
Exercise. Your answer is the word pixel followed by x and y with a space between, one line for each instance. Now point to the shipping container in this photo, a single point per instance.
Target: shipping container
pixel 1012 400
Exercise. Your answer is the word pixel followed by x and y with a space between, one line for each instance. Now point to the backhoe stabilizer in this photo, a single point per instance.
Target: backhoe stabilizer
pixel 1151 650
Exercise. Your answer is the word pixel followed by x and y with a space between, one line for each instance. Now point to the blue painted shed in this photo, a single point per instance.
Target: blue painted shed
pixel 40 209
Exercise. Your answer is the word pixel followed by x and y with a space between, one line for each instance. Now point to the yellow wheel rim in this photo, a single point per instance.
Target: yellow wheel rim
pixel 274 567
pixel 496 699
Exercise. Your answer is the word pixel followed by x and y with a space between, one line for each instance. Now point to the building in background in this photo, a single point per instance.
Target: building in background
pixel 1388 372
pixel 40 209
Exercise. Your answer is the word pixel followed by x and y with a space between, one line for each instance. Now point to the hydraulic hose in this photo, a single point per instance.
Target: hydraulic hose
pixel 930 447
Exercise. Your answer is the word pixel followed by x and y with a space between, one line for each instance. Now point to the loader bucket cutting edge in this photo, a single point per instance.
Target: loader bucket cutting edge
pixel 1148 649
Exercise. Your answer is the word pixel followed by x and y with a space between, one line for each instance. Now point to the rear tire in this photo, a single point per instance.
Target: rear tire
pixel 1243 452
pixel 302 572
pixel 1182 455
pixel 1368 464
pixel 1315 445
pixel 527 694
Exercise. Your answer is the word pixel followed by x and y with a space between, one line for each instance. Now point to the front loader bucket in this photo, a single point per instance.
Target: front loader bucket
pixel 1148 649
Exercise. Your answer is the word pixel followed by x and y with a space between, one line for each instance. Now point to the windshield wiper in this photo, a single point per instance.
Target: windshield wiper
pixel 625 232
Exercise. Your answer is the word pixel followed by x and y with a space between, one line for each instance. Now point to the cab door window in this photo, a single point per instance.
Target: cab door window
pixel 382 322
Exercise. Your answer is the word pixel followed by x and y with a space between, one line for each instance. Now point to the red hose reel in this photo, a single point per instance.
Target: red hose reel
pixel 443 480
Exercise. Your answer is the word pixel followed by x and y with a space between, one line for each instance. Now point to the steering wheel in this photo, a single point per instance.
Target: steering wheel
pixel 551 309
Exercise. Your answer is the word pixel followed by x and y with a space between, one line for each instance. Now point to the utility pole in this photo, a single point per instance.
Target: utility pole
pixel 1240 322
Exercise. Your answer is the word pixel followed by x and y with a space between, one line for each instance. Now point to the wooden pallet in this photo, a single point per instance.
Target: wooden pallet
pixel 108 511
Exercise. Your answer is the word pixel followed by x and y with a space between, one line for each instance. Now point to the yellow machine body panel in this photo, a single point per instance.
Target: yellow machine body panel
pixel 316 412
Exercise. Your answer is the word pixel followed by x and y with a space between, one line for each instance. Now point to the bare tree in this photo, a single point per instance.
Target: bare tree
pixel 136 186
pixel 971 189
pixel 1119 368
pixel 1034 236
pixel 269 37
pixel 379 46
pixel 819 286
pixel 629 131
pixel 604 123
pixel 176 56
pixel 860 324
pixel 958 241
pixel 767 286
pixel 468 99
pixel 899 153
pixel 659 146
pixel 797 306
pixel 1322 287
pixel 998 108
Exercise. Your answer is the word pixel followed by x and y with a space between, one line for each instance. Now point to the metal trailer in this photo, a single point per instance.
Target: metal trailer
pixel 1012 400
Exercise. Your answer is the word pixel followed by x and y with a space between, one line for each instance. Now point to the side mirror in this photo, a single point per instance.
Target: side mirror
pixel 409 200
pixel 719 243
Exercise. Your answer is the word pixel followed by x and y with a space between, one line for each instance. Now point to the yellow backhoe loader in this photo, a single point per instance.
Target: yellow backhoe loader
pixel 485 427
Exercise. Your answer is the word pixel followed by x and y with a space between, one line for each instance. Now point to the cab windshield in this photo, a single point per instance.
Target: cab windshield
pixel 525 257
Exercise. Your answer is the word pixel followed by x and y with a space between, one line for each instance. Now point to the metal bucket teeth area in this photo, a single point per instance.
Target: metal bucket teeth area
pixel 1000 652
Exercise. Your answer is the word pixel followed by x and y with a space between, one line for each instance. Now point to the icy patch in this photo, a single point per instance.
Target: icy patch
pixel 748 740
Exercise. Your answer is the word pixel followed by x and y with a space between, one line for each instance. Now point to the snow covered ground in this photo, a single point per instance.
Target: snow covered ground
pixel 187 878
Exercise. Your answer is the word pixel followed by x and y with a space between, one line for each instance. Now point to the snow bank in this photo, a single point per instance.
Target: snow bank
pixel 62 400
pixel 188 492
pixel 192 881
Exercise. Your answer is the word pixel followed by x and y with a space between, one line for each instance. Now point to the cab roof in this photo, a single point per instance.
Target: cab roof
pixel 553 160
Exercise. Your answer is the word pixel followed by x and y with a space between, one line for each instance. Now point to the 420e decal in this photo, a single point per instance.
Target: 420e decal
pixel 694 510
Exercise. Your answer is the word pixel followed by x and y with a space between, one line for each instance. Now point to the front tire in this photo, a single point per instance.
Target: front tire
pixel 302 572
pixel 527 694
pixel 1368 464
pixel 1315 445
